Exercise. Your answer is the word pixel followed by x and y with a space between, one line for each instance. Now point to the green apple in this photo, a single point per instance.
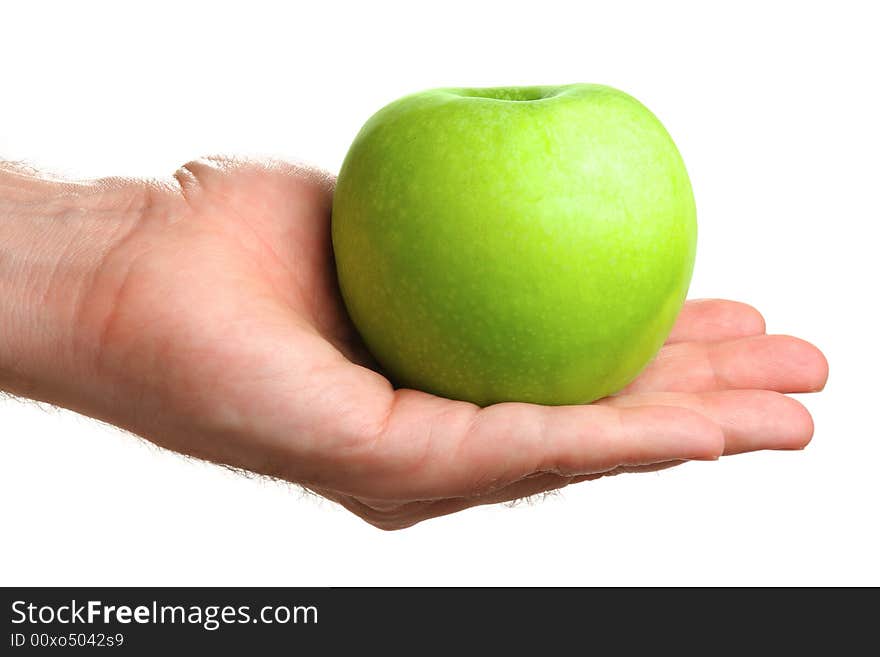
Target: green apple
pixel 515 243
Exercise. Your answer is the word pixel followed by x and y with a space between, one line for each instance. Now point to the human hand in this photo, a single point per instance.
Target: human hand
pixel 209 322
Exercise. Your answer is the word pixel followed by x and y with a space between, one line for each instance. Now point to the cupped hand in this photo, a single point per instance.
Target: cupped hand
pixel 220 333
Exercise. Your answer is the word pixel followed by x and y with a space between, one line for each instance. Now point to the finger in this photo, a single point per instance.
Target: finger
pixel 537 484
pixel 629 469
pixel 393 515
pixel 436 448
pixel 710 320
pixel 546 482
pixel 769 362
pixel 750 419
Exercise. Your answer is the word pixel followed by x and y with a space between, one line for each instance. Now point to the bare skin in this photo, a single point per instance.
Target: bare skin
pixel 202 313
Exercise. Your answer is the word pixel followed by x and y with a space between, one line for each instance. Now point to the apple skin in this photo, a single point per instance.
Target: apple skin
pixel 529 244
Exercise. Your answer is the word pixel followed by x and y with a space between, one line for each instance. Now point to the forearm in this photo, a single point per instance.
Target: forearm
pixel 53 238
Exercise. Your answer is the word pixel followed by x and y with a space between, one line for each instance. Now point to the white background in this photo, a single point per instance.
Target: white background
pixel 775 108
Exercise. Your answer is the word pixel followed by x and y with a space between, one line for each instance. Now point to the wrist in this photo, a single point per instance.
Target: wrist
pixel 53 238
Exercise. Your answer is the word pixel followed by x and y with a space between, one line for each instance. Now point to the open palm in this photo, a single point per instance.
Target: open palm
pixel 221 334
